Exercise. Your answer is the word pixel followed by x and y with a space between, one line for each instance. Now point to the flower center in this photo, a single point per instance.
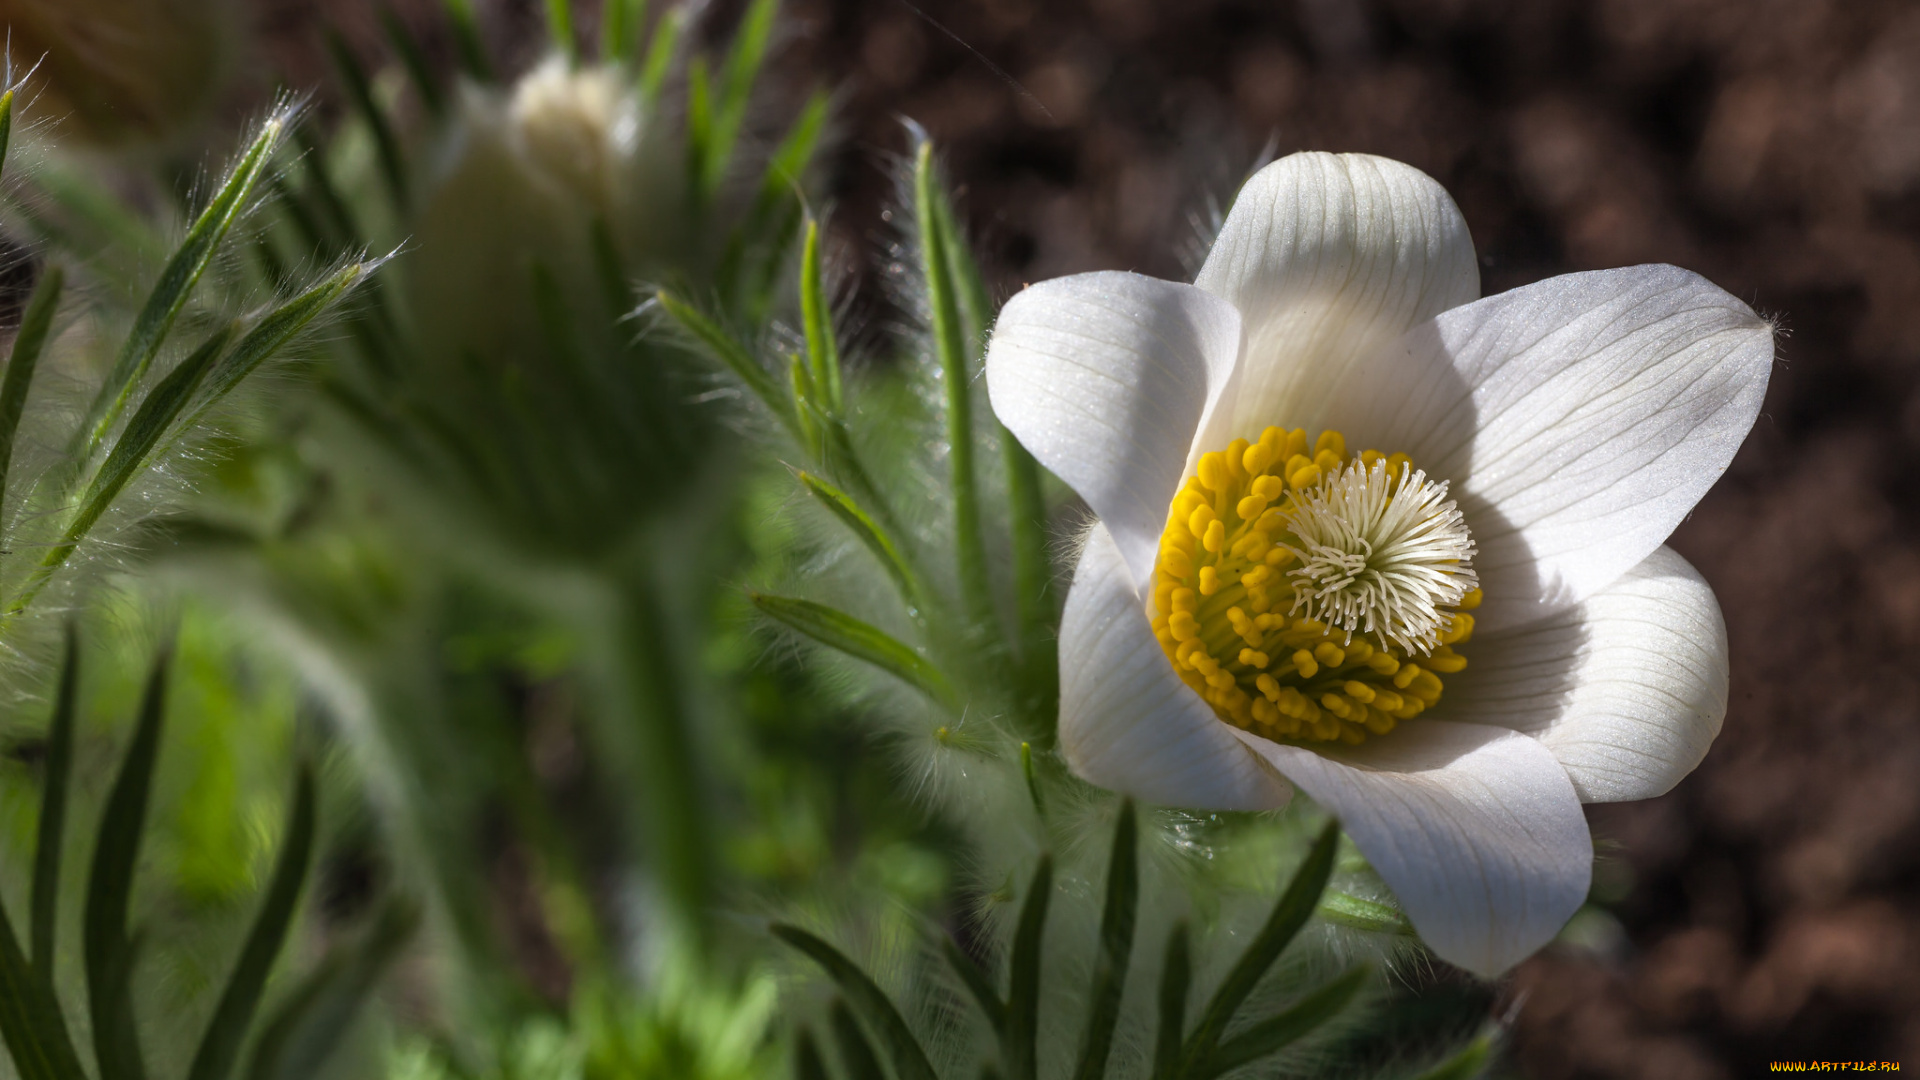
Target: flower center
pixel 1277 565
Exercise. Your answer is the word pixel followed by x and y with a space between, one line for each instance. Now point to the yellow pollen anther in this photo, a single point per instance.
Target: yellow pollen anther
pixel 1262 595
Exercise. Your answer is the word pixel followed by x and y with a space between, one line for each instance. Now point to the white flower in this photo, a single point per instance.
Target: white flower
pixel 1543 442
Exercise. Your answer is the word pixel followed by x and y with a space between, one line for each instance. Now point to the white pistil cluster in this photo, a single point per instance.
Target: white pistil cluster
pixel 1381 555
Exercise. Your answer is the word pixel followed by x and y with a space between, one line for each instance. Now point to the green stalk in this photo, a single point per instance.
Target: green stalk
pixel 466 40
pixel 863 641
pixel 53 812
pixel 393 164
pixel 732 355
pixel 655 703
pixel 1026 509
pixel 737 76
pixel 415 61
pixel 950 351
pixel 620 22
pixel 822 350
pixel 6 126
pixel 666 38
pixel 560 30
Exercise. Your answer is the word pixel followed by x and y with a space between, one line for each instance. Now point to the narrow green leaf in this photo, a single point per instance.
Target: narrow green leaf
pixel 123 462
pixel 220 1047
pixel 53 810
pixel 1023 984
pixel 313 1021
pixel 407 47
pixel 204 379
pixel 823 353
pixel 1277 1032
pixel 666 40
pixel 731 354
pixel 699 128
pixel 1469 1063
pixel 909 1060
pixel 870 533
pixel 466 39
pixel 857 639
pixel 108 951
pixel 775 213
pixel 164 405
pixel 1033 781
pixel 1176 975
pixel 857 1059
pixel 31 1026
pixel 35 324
pixel 737 76
pixel 274 330
pixel 807 1063
pixel 6 125
pixel 806 408
pixel 1116 946
pixel 560 30
pixel 970 289
pixel 977 984
pixel 176 283
pixel 1370 915
pixel 1295 906
pixel 393 166
pixel 620 23
pixel 1026 510
pixel 950 350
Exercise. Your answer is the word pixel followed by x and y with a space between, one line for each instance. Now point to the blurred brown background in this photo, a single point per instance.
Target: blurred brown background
pixel 1769 904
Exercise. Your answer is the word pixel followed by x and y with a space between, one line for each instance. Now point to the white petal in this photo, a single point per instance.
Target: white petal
pixel 1580 419
pixel 1104 377
pixel 1329 257
pixel 1476 829
pixel 1627 690
pixel 1127 722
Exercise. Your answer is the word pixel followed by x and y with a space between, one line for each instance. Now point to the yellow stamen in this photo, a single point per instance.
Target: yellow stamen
pixel 1228 591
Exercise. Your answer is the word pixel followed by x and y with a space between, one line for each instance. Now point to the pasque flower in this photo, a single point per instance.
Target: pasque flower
pixel 1310 465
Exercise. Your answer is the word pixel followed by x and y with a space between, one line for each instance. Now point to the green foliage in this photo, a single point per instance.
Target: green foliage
pixel 110 948
pixel 909 1060
pixel 53 809
pixel 220 1047
pixel 31 1023
pixel 952 354
pixel 1116 947
pixel 863 641
pixel 183 271
pixel 1200 1055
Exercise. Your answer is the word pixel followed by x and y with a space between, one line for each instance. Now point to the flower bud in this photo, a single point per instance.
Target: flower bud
pixel 577 130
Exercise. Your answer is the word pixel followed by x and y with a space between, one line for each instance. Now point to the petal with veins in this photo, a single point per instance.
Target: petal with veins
pixel 1103 378
pixel 1328 257
pixel 1580 419
pixel 1627 690
pixel 1476 829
